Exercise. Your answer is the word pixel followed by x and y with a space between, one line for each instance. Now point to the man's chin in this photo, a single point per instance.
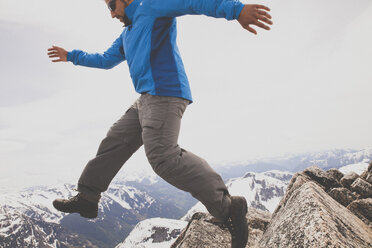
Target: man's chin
pixel 121 20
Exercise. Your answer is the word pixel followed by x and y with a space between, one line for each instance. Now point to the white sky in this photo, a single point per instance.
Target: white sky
pixel 303 86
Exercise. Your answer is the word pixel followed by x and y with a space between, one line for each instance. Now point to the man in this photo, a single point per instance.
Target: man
pixel 148 43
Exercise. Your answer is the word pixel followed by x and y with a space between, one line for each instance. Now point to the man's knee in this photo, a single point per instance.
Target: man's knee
pixel 162 160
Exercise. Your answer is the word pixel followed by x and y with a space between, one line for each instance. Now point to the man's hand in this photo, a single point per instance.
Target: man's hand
pixel 256 15
pixel 57 52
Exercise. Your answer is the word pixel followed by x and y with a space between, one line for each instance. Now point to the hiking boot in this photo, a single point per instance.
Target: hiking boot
pixel 237 222
pixel 77 204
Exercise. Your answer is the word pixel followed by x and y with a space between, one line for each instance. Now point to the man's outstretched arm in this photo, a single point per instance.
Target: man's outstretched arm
pixel 249 14
pixel 110 58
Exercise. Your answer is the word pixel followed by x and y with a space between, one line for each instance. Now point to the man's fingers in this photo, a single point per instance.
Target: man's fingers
pixel 54 56
pixel 250 29
pixel 53 52
pixel 262 7
pixel 261 25
pixel 57 60
pixel 264 19
pixel 264 13
pixel 54 48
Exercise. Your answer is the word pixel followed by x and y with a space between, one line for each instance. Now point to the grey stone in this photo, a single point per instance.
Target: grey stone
pixel 367 176
pixel 320 176
pixel 342 196
pixel 363 209
pixel 336 174
pixel 311 218
pixel 296 182
pixel 160 234
pixel 370 167
pixel 348 179
pixel 362 187
pixel 204 231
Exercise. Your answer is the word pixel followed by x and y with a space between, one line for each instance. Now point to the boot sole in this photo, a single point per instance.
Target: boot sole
pixel 89 215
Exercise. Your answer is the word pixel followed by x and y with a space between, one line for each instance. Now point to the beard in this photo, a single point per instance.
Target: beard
pixel 126 21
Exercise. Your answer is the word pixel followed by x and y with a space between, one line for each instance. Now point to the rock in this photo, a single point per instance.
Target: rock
pixel 335 174
pixel 258 219
pixel 367 176
pixel 309 217
pixel 362 187
pixel 370 167
pixel 342 196
pixel 204 231
pixel 348 179
pixel 162 234
pixel 363 209
pixel 321 177
pixel 257 223
pixel 296 182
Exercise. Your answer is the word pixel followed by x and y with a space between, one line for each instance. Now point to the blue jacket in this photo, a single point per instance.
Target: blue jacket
pixel 149 44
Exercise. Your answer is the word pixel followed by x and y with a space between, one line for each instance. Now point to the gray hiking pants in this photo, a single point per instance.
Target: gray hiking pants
pixel 154 121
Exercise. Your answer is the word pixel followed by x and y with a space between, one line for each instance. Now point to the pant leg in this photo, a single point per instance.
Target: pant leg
pixel 121 141
pixel 160 118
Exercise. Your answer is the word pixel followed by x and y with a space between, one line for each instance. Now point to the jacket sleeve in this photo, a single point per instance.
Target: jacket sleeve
pixel 228 9
pixel 110 58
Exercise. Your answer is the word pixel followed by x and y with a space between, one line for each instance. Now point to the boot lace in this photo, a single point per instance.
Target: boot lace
pixel 76 198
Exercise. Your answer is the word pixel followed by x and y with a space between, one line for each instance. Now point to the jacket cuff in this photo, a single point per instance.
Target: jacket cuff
pixel 69 56
pixel 238 9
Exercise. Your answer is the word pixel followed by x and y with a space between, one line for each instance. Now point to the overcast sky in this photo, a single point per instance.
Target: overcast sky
pixel 303 86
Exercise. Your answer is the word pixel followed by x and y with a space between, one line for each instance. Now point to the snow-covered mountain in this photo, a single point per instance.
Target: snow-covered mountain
pixel 261 190
pixel 154 233
pixel 28 219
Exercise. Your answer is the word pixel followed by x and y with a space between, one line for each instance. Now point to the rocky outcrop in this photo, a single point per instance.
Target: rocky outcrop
pixel 315 212
pixel 335 174
pixel 363 209
pixel 343 196
pixel 320 209
pixel 367 175
pixel 310 218
pixel 204 231
pixel 324 179
pixel 348 179
pixel 362 187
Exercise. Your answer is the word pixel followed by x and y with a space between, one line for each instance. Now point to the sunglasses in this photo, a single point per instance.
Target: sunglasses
pixel 112 5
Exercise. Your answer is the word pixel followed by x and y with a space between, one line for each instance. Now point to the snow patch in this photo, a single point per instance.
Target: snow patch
pixel 358 168
pixel 143 234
